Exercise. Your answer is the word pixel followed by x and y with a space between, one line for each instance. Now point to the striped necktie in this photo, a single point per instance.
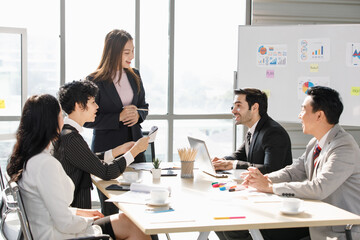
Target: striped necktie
pixel 317 151
pixel 247 143
pixel 248 137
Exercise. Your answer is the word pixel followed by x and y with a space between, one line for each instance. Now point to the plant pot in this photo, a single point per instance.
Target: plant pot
pixel 156 172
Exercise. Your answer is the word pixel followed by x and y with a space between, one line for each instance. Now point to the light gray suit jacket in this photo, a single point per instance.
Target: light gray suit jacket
pixel 335 180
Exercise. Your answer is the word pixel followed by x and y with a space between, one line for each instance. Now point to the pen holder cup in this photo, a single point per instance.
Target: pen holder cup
pixel 187 169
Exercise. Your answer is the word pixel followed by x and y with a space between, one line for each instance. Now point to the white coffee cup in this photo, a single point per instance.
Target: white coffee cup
pixel 291 204
pixel 130 177
pixel 237 173
pixel 159 196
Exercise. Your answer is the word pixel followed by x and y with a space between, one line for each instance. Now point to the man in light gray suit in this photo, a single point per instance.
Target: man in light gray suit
pixel 329 170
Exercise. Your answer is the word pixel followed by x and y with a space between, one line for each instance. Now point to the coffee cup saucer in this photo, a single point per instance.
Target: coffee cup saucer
pixel 124 182
pixel 285 211
pixel 151 203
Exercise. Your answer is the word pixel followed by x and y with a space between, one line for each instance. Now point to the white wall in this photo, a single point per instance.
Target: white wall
pixel 279 12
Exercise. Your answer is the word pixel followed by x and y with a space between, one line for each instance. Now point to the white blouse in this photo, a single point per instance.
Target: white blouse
pixel 47 192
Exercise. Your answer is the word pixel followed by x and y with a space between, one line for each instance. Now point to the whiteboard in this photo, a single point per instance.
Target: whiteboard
pixel 285 60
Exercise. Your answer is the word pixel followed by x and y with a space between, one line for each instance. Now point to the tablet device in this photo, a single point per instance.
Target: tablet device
pixel 152 134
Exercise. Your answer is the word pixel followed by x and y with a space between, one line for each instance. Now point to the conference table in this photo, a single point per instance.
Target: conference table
pixel 196 206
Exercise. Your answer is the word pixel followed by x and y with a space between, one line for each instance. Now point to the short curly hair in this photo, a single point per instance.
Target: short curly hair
pixel 76 92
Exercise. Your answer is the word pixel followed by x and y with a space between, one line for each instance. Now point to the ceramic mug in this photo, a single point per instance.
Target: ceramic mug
pixel 159 196
pixel 291 204
pixel 130 177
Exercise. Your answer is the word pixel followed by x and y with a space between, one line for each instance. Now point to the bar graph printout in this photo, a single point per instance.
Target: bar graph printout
pixel 314 50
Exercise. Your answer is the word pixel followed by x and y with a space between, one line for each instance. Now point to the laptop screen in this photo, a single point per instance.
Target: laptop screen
pixel 203 159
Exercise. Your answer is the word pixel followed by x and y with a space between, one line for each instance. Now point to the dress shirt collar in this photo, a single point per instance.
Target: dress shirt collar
pixel 252 129
pixel 73 124
pixel 323 139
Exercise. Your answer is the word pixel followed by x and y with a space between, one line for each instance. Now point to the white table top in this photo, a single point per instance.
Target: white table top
pixel 196 203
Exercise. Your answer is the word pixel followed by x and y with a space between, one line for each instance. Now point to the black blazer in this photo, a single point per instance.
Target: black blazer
pixel 270 148
pixel 108 131
pixel 79 162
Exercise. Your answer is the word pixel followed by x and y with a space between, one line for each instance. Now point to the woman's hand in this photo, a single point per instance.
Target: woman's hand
pixel 123 148
pixel 129 115
pixel 140 146
pixel 95 214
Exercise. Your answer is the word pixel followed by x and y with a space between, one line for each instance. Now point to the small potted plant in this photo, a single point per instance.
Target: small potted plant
pixel 156 171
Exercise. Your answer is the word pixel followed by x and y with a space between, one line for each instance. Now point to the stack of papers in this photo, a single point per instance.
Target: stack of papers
pixel 146 188
pixel 149 165
pixel 138 194
pixel 131 197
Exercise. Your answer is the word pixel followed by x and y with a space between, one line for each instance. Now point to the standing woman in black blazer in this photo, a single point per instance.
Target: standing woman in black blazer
pixel 121 97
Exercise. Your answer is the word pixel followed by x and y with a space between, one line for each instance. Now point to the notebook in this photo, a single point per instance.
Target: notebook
pixel 203 159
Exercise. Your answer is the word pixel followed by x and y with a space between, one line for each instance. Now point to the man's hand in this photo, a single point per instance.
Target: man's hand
pixel 95 214
pixel 222 164
pixel 254 178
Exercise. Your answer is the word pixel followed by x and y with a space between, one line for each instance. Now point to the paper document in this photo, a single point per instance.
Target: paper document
pixel 141 187
pixel 131 197
pixel 152 134
pixel 138 194
pixel 149 165
pixel 258 197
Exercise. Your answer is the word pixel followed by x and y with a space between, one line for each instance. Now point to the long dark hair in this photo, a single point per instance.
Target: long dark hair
pixel 39 125
pixel 111 59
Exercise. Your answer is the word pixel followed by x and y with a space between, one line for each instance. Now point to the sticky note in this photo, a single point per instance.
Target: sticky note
pixel 314 67
pixel 355 91
pixel 2 103
pixel 267 92
pixel 270 73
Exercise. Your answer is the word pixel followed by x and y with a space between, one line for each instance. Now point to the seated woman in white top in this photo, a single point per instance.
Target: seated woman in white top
pixel 46 188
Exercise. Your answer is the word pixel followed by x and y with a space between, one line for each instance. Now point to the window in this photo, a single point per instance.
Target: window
pixel 42 25
pixel 86 25
pixel 10 74
pixel 154 53
pixel 186 56
pixel 205 55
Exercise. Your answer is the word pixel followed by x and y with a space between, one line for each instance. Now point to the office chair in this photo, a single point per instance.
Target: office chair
pixel 150 151
pixel 18 205
pixel 10 227
pixel 14 203
pixel 348 232
pixel 2 183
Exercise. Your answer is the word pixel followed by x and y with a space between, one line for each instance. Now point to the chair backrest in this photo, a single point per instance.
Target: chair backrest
pixel 150 151
pixel 10 224
pixel 2 181
pixel 24 222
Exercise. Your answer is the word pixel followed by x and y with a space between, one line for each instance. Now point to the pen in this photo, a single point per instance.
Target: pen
pixel 236 189
pixel 141 109
pixel 238 217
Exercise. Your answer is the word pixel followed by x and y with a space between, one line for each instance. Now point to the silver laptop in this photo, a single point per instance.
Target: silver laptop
pixel 203 159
